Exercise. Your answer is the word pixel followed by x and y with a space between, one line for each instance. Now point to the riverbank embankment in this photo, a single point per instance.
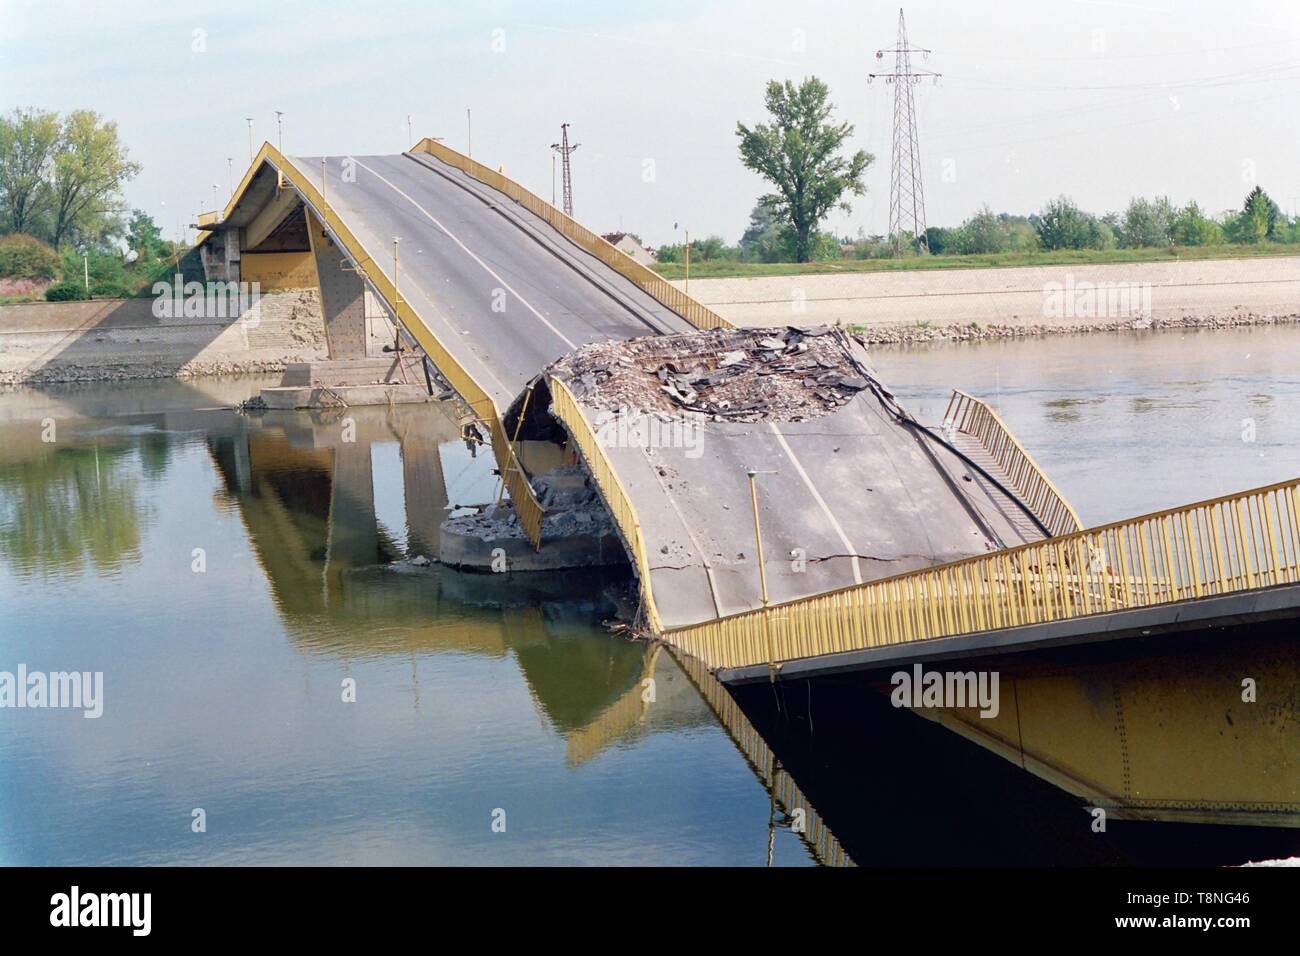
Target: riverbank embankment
pixel 977 304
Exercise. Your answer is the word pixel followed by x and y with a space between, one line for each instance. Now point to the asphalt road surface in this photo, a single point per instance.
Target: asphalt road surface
pixel 850 497
pixel 503 291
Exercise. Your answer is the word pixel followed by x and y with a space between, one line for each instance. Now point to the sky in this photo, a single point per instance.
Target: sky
pixel 1096 100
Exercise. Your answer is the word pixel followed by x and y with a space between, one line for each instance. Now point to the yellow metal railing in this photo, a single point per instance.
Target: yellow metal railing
pixel 648 280
pixel 565 407
pixel 972 416
pixel 523 498
pixel 1210 548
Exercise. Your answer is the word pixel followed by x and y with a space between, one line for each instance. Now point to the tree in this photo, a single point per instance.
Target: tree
pixel 1149 222
pixel 1258 217
pixel 27 143
pixel 143 237
pixel 90 168
pixel 1063 225
pixel 763 240
pixel 941 241
pixel 799 154
pixel 982 233
pixel 1192 227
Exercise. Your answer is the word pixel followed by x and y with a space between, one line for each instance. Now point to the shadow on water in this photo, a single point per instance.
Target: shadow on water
pixel 898 789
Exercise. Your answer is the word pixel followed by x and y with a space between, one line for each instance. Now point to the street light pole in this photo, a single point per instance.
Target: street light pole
pixel 249 120
pixel 762 572
pixel 279 146
pixel 758 535
pixel 469 133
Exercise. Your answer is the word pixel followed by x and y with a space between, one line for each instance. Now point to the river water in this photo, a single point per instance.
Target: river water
pixel 282 686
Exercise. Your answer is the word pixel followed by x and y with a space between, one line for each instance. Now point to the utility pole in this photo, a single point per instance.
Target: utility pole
pixel 249 121
pixel 906 197
pixel 564 149
pixel 230 174
pixel 410 138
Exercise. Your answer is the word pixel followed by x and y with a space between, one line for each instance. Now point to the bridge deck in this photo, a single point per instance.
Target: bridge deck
pixel 843 498
pixel 504 292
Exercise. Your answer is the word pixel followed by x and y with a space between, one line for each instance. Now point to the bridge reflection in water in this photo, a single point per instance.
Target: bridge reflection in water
pixel 856 779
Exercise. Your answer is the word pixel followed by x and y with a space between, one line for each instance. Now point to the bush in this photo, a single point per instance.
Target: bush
pixel 109 290
pixel 1063 225
pixel 1149 222
pixel 26 257
pixel 66 292
pixel 103 266
pixel 1193 228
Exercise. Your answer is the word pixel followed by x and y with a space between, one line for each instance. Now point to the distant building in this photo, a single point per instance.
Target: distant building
pixel 627 243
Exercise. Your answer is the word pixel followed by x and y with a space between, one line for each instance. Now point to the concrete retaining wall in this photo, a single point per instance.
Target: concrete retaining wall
pixel 1039 298
pixel 122 338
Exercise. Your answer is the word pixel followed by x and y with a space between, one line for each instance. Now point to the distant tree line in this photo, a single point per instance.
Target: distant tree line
pixel 1060 224
pixel 1145 223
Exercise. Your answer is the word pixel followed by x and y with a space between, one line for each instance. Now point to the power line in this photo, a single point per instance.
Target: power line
pixel 906 195
pixel 1237 78
pixel 1099 57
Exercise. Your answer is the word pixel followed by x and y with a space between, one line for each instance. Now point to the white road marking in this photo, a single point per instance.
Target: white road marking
pixel 486 268
pixel 844 538
pixel 356 230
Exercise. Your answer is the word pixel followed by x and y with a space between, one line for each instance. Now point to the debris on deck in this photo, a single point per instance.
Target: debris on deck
pixel 736 375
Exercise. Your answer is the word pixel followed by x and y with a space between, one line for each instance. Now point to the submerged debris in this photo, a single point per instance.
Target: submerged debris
pixel 738 375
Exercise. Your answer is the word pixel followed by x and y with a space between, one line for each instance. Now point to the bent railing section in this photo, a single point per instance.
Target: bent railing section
pixel 975 418
pixel 648 280
pixel 1210 548
pixel 565 407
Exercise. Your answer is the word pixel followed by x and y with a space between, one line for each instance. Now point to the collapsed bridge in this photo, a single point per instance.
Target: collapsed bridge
pixel 785 516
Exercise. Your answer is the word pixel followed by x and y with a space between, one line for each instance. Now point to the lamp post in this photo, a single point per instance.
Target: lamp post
pixel 762 570
pixel 249 121
pixel 279 146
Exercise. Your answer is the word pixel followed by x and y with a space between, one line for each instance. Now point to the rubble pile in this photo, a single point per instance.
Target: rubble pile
pixel 738 375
